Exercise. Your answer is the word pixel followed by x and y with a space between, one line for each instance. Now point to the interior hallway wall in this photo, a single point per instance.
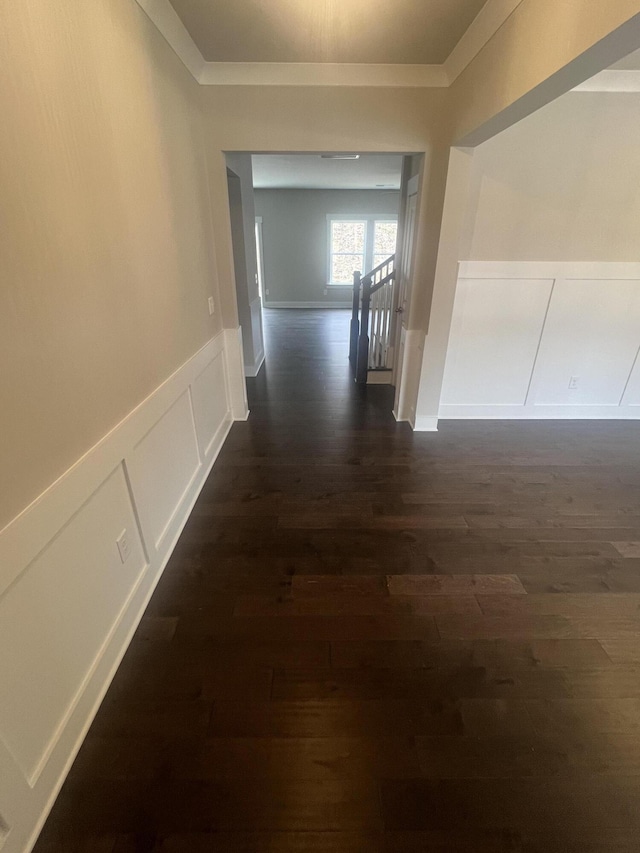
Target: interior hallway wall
pixel 295 238
pixel 546 321
pixel 106 248
pixel 245 260
pixel 561 185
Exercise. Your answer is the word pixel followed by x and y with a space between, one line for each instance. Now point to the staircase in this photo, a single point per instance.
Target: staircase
pixel 370 346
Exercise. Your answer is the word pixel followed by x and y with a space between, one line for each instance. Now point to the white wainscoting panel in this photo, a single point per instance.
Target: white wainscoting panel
pixel 495 333
pixel 209 406
pixel 592 333
pixel 632 392
pixel 68 604
pixel 50 624
pixel 544 340
pixel 162 467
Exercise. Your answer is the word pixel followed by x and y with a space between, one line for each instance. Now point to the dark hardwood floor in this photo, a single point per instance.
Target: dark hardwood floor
pixel 375 641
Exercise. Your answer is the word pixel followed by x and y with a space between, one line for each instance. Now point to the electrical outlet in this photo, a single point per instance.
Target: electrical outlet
pixel 574 381
pixel 124 548
pixel 325 291
pixel 267 292
pixel 212 306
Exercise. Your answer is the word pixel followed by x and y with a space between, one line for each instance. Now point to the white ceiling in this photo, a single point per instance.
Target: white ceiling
pixel 351 31
pixel 310 171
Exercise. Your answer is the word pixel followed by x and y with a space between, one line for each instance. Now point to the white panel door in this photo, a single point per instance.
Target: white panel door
pixel 590 341
pixel 495 334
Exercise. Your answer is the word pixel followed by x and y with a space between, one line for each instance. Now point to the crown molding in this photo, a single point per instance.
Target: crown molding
pixel 489 20
pixel 163 15
pixel 321 74
pixel 612 81
pixel 482 29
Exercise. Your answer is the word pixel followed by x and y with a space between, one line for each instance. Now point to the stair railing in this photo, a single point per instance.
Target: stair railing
pixel 371 312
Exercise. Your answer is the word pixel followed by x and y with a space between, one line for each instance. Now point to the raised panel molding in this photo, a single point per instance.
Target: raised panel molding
pixel 589 332
pixel 494 341
pixel 68 605
pixel 50 629
pixel 632 391
pixel 159 489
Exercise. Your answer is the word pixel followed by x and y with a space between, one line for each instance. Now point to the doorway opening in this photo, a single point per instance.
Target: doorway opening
pixel 319 224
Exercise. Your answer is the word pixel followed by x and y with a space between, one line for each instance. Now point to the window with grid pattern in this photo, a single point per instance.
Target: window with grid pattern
pixel 359 244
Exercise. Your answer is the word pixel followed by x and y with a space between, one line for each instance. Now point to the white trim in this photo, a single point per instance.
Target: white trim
pixel 29 789
pixel 163 15
pixel 539 412
pixel 424 424
pixel 555 274
pixel 254 369
pixel 413 185
pixel 484 27
pixel 625 82
pixel 110 657
pixel 322 74
pixel 234 372
pixel 21 541
pixel 346 304
pixel 550 269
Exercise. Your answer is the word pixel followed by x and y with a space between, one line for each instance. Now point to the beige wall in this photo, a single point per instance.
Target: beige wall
pixel 106 256
pixel 106 245
pixel 543 50
pixel 561 185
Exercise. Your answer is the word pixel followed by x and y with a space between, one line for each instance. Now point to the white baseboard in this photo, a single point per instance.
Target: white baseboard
pixel 346 305
pixel 234 363
pixel 423 424
pixel 539 413
pixel 254 369
pixel 68 605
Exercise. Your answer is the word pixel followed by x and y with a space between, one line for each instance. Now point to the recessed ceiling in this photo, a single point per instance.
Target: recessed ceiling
pixel 310 171
pixel 421 32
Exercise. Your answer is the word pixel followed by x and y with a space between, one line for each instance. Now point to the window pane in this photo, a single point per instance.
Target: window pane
pixel 343 266
pixel 380 259
pixel 384 239
pixel 348 237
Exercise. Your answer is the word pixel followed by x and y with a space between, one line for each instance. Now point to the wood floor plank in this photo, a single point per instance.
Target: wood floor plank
pixel 372 640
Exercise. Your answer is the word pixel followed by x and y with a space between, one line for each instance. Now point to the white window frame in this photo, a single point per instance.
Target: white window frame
pixel 369 219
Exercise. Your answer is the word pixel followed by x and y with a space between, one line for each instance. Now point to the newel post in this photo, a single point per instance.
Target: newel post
pixel 355 323
pixel 362 363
